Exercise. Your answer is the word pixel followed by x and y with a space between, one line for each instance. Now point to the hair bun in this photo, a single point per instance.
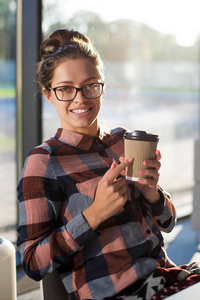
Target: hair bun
pixel 48 47
pixel 60 38
pixel 65 36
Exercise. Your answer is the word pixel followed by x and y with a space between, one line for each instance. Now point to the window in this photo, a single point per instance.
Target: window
pixel 152 74
pixel 7 115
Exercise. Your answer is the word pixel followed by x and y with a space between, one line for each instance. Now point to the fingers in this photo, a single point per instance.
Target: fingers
pixel 120 186
pixel 148 182
pixel 116 169
pixel 158 155
pixel 150 175
pixel 152 164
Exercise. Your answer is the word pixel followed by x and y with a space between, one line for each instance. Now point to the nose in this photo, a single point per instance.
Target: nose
pixel 79 96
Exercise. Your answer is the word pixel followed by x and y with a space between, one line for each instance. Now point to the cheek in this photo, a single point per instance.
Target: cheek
pixel 98 104
pixel 61 107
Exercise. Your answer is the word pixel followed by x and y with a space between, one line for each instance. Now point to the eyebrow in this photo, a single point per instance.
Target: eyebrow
pixel 70 82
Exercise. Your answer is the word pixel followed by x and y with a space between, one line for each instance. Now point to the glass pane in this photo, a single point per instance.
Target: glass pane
pixel 152 74
pixel 7 117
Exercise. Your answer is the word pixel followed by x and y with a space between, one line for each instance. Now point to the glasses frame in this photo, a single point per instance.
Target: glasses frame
pixel 77 89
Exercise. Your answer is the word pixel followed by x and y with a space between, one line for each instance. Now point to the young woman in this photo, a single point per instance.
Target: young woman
pixel 78 214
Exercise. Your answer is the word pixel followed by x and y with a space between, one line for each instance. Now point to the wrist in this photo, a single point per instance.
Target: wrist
pixel 91 217
pixel 157 198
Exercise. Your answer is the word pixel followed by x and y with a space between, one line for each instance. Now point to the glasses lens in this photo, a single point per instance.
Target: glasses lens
pixel 65 93
pixel 93 90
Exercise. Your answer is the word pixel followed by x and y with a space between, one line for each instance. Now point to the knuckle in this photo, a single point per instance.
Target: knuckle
pixel 105 182
pixel 124 196
pixel 122 201
pixel 112 189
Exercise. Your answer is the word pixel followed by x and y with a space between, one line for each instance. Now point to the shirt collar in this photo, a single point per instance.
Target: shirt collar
pixel 76 139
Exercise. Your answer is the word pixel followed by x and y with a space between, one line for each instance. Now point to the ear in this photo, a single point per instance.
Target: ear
pixel 47 94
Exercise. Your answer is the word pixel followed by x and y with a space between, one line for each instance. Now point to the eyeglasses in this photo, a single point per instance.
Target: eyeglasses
pixel 68 93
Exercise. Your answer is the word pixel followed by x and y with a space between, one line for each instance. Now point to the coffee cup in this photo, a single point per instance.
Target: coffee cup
pixel 141 146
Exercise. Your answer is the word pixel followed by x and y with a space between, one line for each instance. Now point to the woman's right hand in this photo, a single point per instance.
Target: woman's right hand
pixel 111 195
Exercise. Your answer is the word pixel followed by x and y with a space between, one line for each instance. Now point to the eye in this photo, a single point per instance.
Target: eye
pixel 65 89
pixel 91 86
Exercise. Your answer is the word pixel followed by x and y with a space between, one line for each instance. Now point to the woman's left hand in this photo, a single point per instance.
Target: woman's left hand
pixel 149 186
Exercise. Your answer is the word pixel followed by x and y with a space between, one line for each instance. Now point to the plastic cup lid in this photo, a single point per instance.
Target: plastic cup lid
pixel 141 136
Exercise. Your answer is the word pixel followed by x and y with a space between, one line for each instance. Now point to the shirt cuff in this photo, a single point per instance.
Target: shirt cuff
pixel 157 209
pixel 80 230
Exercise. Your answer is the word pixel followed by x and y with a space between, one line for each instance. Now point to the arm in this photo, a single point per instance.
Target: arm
pixel 163 211
pixel 42 243
pixel 158 201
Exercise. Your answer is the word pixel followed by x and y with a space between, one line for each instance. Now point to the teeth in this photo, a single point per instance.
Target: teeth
pixel 79 111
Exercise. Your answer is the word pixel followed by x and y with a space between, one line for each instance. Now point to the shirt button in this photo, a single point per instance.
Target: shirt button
pixel 148 231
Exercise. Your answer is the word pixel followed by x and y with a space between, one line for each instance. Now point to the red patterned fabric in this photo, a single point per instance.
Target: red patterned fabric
pixel 164 282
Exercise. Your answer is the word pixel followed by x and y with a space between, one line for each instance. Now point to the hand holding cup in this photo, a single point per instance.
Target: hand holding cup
pixel 142 147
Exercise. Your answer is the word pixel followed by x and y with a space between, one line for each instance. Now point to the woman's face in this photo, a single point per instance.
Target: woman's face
pixel 80 114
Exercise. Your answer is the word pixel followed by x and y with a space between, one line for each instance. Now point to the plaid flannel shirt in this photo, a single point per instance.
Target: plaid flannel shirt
pixel 58 183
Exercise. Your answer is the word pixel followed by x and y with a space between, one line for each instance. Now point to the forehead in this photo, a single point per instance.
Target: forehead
pixel 75 71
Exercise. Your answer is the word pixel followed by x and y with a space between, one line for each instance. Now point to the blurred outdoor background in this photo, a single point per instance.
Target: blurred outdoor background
pixel 150 49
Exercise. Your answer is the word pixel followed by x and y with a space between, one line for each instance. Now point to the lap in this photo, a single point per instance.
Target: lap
pixel 162 283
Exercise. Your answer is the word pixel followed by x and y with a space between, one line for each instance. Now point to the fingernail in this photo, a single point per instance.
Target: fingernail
pixel 146 163
pixel 130 159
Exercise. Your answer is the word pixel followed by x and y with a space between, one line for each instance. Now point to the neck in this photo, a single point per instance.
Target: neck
pixel 88 131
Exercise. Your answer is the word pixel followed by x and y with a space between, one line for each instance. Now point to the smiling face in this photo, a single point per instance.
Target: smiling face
pixel 80 114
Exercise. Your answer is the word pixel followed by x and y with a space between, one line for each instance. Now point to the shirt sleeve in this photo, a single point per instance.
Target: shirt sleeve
pixel 44 245
pixel 164 211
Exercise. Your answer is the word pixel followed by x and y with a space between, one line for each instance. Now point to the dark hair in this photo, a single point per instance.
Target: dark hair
pixel 63 45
